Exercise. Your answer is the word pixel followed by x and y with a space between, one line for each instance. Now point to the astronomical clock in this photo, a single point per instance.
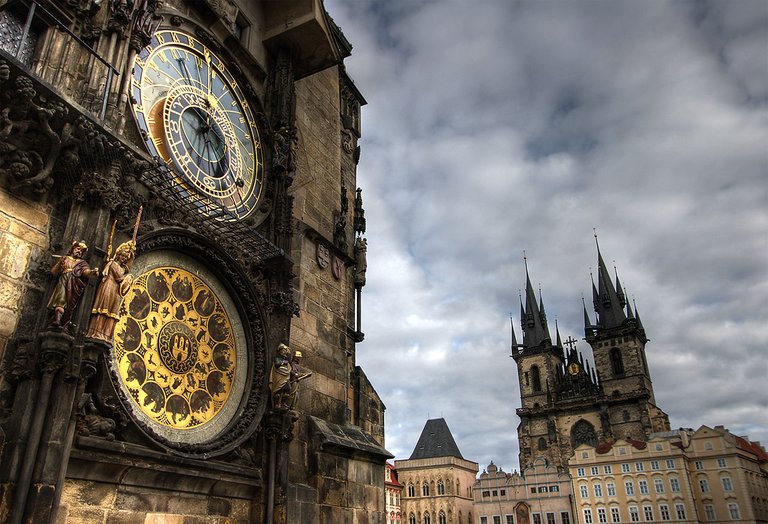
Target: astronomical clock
pixel 180 359
pixel 195 118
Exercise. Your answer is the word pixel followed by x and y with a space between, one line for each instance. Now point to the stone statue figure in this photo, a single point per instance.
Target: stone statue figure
pixel 361 264
pixel 284 378
pixel 72 272
pixel 115 283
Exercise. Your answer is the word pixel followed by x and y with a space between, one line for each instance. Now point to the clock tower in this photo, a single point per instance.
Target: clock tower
pixel 183 268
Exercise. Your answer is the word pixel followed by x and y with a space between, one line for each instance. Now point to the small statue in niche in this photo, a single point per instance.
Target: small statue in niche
pixel 115 283
pixel 361 264
pixel 284 378
pixel 90 423
pixel 72 272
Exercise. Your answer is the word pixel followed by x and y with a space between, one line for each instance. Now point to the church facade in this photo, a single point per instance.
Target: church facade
pixel 182 266
pixel 565 402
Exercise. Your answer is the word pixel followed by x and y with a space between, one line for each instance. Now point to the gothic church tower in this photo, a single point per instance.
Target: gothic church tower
pixel 564 401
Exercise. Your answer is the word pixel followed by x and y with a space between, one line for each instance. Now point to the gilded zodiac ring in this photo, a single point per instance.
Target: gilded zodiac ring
pixel 175 348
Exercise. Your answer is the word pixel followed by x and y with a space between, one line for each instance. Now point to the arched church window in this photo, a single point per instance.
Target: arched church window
pixel 583 433
pixel 427 520
pixel 411 490
pixel 536 378
pixel 542 444
pixel 411 519
pixel 425 489
pixel 441 517
pixel 617 363
pixel 440 487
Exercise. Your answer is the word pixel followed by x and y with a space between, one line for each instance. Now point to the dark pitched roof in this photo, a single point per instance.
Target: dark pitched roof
pixel 436 440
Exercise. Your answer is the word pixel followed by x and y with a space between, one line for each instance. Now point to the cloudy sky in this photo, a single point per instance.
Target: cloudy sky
pixel 497 126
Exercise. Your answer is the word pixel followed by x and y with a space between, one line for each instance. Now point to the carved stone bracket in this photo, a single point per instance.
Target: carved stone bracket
pixel 278 425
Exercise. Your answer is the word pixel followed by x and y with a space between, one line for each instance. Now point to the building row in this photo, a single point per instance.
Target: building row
pixel 594 445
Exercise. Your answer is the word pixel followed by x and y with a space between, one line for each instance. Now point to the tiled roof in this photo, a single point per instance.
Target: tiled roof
pixel 752 447
pixel 436 440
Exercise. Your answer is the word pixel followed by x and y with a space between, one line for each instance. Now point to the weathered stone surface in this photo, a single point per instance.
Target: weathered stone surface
pixel 8 320
pixel 14 256
pixel 10 294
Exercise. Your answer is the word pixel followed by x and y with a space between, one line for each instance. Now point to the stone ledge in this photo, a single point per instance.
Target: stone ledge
pixel 348 441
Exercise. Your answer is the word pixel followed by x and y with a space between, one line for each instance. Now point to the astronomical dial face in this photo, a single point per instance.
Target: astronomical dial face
pixel 175 349
pixel 197 120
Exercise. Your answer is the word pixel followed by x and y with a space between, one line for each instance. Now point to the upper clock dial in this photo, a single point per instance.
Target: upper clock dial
pixel 197 120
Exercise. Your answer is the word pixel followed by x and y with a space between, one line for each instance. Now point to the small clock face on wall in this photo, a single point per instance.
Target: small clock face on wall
pixel 196 119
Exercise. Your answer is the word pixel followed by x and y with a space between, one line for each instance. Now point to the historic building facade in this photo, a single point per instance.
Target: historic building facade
pixel 394 492
pixel 565 402
pixel 437 480
pixel 707 475
pixel 539 494
pixel 182 262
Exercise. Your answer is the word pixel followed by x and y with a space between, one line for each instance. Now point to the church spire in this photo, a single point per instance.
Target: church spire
pixel 608 304
pixel 535 331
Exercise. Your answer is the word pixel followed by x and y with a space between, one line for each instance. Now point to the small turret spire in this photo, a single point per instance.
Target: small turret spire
pixel 610 312
pixel 557 331
pixel 512 329
pixel 535 332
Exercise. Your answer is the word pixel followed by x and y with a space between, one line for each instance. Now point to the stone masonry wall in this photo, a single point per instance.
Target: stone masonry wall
pixel 23 234
pixel 88 502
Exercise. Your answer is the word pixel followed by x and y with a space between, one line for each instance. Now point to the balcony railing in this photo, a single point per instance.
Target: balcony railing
pixel 39 40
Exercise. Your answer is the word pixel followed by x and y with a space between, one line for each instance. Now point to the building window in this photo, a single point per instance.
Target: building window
pixel 496 519
pixel 670 463
pixel 510 519
pixel 708 446
pixel 587 516
pixel 709 511
pixel 643 484
pixel 648 510
pixel 483 520
pixel 664 510
pixel 680 509
pixel 411 490
pixel 542 489
pixel 601 516
pixel 616 362
pixel 615 516
pixel 727 484
pixel 625 468
pixel 659 447
pixel 536 378
pixel 655 465
pixel 554 489
pixel 412 519
pixel 542 443
pixel 425 490
pixel 241 29
pixel 634 514
pixel 610 487
pixel 704 485
pixel 486 494
pixel 580 472
pixel 674 485
pixel 565 518
pixel 495 493
pixel 584 491
pixel 658 485
pixel 427 519
pixel 536 518
pixel 608 470
pixel 585 454
pixel 550 518
pixel 598 490
pixel 722 463
pixel 503 492
pixel 699 464
pixel 440 487
pixel 594 470
pixel 733 510
pixel 639 466
pixel 629 487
